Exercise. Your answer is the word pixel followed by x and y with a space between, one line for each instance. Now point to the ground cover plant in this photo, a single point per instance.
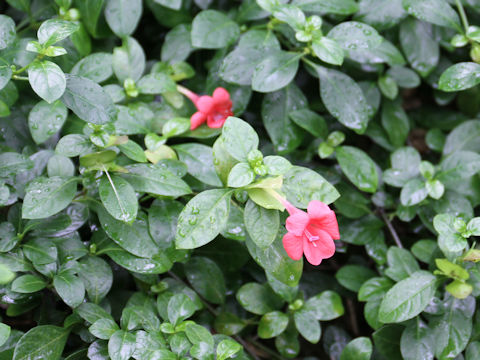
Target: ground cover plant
pixel 211 179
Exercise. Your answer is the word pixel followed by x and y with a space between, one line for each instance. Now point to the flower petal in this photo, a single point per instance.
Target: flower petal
pixel 215 120
pixel 317 209
pixel 197 119
pixel 318 250
pixel 323 218
pixel 293 246
pixel 297 222
pixel 205 104
pixel 222 97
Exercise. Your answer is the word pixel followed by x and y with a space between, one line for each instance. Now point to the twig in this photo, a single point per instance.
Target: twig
pixel 353 317
pixel 395 236
pixel 266 349
pixel 463 16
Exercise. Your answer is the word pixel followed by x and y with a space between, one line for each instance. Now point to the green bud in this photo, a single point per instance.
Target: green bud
pixel 73 15
pixel 459 289
pixel 325 150
pixel 459 225
pixel 335 138
pixel 459 40
pixel 241 196
pixel 93 249
pixel 296 305
pixel 130 87
pixel 100 138
pixel 260 170
pixel 314 22
pixel 255 158
pixel 475 53
pixel 427 169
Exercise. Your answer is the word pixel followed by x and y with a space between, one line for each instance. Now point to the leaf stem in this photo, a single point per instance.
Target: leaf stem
pixel 394 234
pixel 463 16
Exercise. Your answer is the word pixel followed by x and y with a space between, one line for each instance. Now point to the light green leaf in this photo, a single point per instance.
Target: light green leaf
pixel 358 167
pixel 44 120
pixel 119 198
pixel 47 80
pixel 44 341
pixel 275 72
pixel 123 16
pixel 212 29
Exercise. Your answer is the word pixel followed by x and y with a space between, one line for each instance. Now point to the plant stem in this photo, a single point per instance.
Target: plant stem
pixel 189 94
pixel 395 236
pixel 266 349
pixel 463 16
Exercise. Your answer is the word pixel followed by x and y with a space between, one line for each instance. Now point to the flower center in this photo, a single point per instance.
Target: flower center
pixel 312 238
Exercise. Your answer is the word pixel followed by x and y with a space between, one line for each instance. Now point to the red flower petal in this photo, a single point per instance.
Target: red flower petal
pixel 316 251
pixel 216 120
pixel 297 222
pixel 205 104
pixel 197 119
pixel 222 97
pixel 293 246
pixel 322 217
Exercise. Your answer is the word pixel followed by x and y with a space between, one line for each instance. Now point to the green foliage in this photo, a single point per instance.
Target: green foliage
pixel 126 234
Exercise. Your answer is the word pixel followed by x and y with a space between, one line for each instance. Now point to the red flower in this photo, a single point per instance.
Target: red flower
pixel 211 109
pixel 310 233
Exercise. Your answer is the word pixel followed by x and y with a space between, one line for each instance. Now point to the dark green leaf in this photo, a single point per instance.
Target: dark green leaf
pixel 207 279
pixel 45 341
pixel 272 324
pixel 275 71
pixel 358 167
pixel 44 120
pixel 118 197
pixel 262 224
pixel 47 80
pixel 212 29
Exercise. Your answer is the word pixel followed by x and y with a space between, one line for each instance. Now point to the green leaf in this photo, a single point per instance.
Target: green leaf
pixel 344 99
pixel 380 14
pixel 405 166
pixel 156 83
pixel 177 45
pixel 6 275
pixel 133 151
pixel 180 307
pixel 358 349
pixel 119 198
pixel 272 324
pixel 353 276
pixel 69 287
pixel 74 145
pixel 328 50
pixel 39 252
pixel 134 237
pixel 408 298
pixel 207 279
pixel 7 31
pixel 26 284
pixel 404 77
pixel 96 67
pixel 88 100
pixel 97 277
pixel 352 35
pixel 275 72
pixel 155 180
pixel 123 16
pixel 258 299
pixel 308 328
pixel 212 29
pixel 5 73
pixel 44 341
pixel 358 167
pixel 227 348
pixel 374 289
pixel 387 341
pixel 121 345
pixel 55 30
pixel 401 264
pixel 417 341
pixel 310 121
pixel 241 175
pixel 276 165
pixel 5 332
pixel 239 138
pixel 452 330
pixel 262 224
pixel 59 165
pixel 276 107
pixel 203 218
pixel 103 328
pixel 128 60
pixel 340 7
pixel 47 80
pixel 44 120
pixel 460 76
pixel 12 163
pixel 413 192
pixel 199 161
pixel 47 196
pixel 325 306
pixel 395 122
pixel 421 50
pixel 302 185
pixel 437 12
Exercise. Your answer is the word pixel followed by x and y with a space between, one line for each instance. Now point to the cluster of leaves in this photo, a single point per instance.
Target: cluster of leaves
pixel 124 234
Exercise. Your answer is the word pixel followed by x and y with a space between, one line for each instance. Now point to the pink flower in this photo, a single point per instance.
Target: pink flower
pixel 213 110
pixel 310 233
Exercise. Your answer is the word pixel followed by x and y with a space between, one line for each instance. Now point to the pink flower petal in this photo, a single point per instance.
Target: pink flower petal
pixel 221 97
pixel 297 222
pixel 196 120
pixel 318 250
pixel 205 104
pixel 317 209
pixel 215 120
pixel 293 246
pixel 323 218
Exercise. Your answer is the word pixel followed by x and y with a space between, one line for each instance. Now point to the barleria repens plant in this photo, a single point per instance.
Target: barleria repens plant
pixel 269 179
